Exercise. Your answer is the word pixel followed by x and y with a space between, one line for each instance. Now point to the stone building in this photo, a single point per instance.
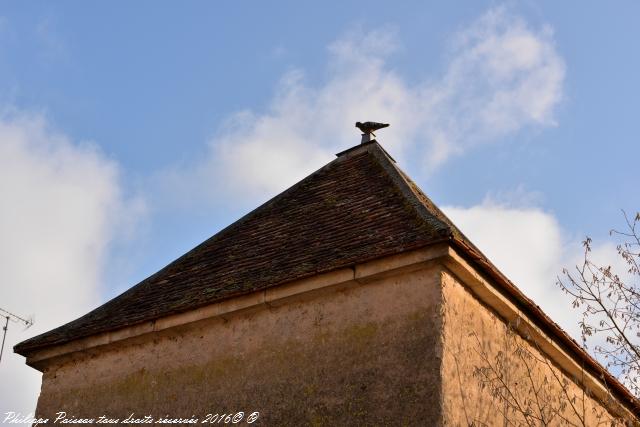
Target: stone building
pixel 348 299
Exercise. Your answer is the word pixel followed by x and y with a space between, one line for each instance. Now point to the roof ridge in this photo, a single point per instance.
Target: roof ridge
pixel 426 209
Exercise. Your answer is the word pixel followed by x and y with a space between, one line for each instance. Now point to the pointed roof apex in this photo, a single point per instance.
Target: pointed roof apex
pixel 365 146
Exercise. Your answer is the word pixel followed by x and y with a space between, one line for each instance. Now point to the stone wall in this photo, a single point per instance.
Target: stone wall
pixel 364 355
pixel 413 348
pixel 491 374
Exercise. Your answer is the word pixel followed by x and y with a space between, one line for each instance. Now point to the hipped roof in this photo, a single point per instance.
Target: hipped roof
pixel 357 208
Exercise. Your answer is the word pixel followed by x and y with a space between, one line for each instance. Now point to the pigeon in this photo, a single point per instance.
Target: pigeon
pixel 369 127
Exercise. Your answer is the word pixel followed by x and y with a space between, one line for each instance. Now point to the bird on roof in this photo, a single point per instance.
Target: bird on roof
pixel 370 127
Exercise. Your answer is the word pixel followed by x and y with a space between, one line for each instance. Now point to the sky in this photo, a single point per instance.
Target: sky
pixel 130 132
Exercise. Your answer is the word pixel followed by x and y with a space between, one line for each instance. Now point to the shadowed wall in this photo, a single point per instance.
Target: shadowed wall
pixel 476 339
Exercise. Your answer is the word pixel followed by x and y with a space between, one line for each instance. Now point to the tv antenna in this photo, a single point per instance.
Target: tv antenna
pixel 15 319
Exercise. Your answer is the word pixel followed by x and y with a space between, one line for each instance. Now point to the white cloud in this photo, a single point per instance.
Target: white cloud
pixel 531 248
pixel 501 75
pixel 62 205
pixel 525 244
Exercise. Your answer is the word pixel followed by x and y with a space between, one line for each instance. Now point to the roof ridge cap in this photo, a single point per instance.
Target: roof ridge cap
pixel 430 213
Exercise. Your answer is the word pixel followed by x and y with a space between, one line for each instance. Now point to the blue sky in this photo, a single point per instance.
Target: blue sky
pixel 132 132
